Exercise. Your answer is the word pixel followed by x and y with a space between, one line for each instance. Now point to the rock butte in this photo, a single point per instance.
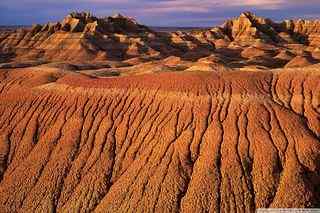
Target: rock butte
pixel 107 115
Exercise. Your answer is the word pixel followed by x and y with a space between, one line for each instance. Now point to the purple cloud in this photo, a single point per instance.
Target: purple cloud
pixel 156 12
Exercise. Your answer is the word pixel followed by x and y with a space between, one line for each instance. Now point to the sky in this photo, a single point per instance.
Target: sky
pixel 184 13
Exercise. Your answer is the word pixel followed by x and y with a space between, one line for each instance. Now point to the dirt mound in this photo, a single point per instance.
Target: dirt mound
pixel 285 55
pixel 300 61
pixel 208 66
pixel 221 43
pixel 316 54
pixel 251 52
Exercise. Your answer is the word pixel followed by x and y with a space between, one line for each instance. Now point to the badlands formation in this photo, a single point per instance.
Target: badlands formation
pixel 107 115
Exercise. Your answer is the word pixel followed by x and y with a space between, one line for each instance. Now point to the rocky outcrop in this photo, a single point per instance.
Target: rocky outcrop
pixel 300 61
pixel 79 37
pixel 249 28
pixel 304 31
pixel 246 40
pixel 83 37
pixel 85 22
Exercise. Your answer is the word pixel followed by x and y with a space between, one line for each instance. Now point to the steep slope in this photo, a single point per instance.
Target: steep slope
pixel 249 28
pixel 305 31
pixel 168 142
pixel 80 36
pixel 248 40
pixel 83 37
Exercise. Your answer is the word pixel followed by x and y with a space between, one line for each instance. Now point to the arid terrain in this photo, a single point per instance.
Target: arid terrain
pixel 108 115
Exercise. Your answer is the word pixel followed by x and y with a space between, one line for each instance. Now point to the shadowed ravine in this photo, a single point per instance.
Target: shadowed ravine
pixel 167 142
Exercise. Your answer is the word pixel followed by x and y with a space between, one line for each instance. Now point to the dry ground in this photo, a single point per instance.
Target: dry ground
pixel 162 142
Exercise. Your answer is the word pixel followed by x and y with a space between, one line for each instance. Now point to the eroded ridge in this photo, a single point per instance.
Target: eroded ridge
pixel 168 142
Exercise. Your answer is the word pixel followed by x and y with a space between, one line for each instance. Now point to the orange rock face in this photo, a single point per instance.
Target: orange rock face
pixel 172 124
pixel 81 37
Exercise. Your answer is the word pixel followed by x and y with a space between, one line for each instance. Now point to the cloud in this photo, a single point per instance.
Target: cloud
pixel 155 12
pixel 264 4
